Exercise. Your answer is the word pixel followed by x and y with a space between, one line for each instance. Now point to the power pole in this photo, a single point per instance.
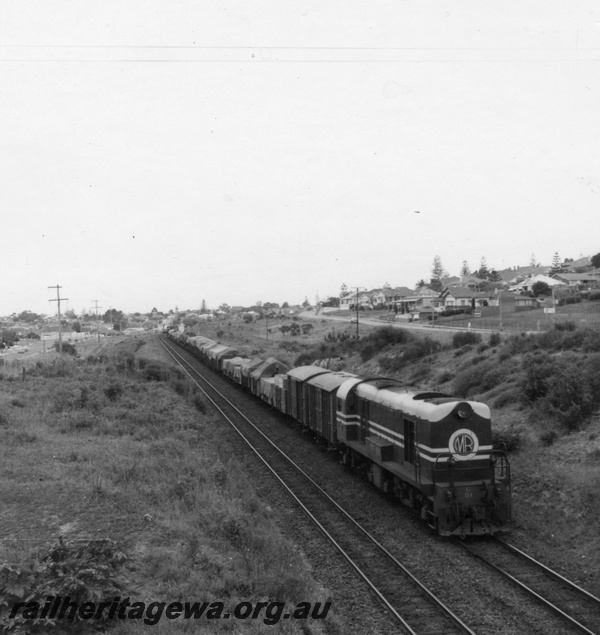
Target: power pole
pixel 58 300
pixel 97 321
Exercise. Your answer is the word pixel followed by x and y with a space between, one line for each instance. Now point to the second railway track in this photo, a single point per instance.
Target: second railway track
pixel 579 609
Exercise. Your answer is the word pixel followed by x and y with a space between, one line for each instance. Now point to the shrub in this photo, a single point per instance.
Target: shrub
pixel 113 391
pixel 443 377
pixel 465 337
pixel 467 380
pixel 538 369
pixel 565 325
pixel 568 394
pixel 594 296
pixel 508 441
pixel 495 339
pixel 368 351
pixel 155 371
pixel 591 341
pixel 199 404
pixel 67 348
pixel 304 359
pixel 505 398
pixel 84 571
pixel 548 437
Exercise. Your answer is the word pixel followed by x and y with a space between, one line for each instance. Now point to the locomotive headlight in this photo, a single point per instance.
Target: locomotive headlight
pixel 464 410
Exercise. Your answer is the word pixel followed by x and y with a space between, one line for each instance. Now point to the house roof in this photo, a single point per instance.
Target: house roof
pixel 574 277
pixel 586 261
pixel 508 275
pixel 460 292
pixel 540 278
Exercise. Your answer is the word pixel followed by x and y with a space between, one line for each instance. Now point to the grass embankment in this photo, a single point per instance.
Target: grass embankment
pixel 121 448
pixel 544 393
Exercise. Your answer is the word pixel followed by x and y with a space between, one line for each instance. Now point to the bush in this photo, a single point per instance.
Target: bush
pixel 508 441
pixel 416 349
pixel 67 348
pixel 495 339
pixel 113 391
pixel 568 394
pixel 155 371
pixel 467 380
pixel 548 437
pixel 538 369
pixel 199 404
pixel 565 325
pixel 466 337
pixel 594 296
pixel 505 399
pixel 304 359
pixel 84 571
pixel 443 377
pixel 591 341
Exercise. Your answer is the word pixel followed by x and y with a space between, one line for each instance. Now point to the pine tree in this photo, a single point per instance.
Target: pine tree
pixel 343 290
pixel 556 263
pixel 465 270
pixel 483 269
pixel 438 272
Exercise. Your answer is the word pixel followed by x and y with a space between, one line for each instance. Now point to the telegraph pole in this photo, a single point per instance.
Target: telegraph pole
pixel 58 300
pixel 97 321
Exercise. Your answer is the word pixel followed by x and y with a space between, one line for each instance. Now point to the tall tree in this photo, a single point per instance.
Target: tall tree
pixel 556 263
pixel 343 289
pixel 438 272
pixel 533 261
pixel 483 271
pixel 465 270
pixel 596 261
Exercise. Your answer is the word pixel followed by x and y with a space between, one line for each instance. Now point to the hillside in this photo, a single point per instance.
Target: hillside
pixel 544 393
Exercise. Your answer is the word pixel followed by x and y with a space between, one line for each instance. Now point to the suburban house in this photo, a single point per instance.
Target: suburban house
pixel 461 297
pixel 421 299
pixel 519 274
pixel 350 299
pixel 579 280
pixel 527 284
pixel 577 266
pixel 387 297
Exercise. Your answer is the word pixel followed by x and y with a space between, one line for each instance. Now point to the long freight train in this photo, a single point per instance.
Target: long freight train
pixel 433 451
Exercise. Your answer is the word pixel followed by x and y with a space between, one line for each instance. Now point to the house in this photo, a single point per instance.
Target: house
pixel 386 297
pixel 472 282
pixel 519 274
pixel 458 297
pixel 527 284
pixel 421 299
pixel 579 280
pixel 577 266
pixel 346 300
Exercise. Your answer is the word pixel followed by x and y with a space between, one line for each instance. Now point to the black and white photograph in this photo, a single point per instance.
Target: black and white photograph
pixel 300 317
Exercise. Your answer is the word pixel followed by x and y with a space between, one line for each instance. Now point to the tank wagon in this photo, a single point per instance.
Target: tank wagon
pixel 431 450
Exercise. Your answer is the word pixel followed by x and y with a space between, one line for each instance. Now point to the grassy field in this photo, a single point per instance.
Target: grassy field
pixel 116 458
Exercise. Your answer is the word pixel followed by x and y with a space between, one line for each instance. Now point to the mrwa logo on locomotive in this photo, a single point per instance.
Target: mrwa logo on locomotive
pixel 463 445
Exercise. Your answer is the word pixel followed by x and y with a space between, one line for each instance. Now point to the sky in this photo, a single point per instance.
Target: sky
pixel 165 153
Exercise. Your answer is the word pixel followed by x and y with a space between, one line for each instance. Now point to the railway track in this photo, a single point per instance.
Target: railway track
pixel 577 607
pixel 408 601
